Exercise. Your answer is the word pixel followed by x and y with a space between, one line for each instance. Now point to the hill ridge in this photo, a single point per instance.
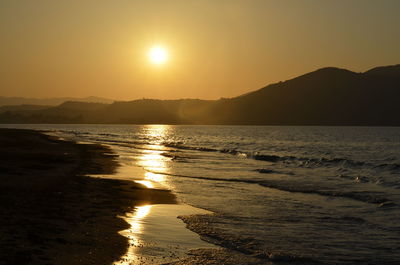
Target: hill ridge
pixel 326 96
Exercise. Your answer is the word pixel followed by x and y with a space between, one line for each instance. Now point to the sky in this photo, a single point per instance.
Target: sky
pixel 216 48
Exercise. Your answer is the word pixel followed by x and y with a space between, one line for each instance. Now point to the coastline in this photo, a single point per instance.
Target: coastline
pixel 52 213
pixel 63 202
pixel 273 217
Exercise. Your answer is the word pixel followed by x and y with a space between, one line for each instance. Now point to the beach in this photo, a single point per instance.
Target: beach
pixel 52 213
pixel 200 132
pixel 165 194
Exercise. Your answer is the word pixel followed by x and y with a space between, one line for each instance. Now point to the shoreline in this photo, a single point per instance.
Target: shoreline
pixel 248 216
pixel 52 212
pixel 73 209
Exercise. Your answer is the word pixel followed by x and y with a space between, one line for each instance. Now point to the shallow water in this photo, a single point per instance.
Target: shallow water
pixel 156 236
pixel 325 194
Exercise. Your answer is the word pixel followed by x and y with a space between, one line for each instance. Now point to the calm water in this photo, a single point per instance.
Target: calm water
pixel 324 194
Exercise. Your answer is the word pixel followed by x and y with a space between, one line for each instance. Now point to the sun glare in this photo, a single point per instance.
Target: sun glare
pixel 158 55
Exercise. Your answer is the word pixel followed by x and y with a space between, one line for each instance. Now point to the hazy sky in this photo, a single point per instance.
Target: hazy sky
pixel 217 48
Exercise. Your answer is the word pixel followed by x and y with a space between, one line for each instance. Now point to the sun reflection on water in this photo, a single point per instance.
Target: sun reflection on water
pixel 136 220
pixel 133 234
pixel 150 159
pixel 146 183
pixel 156 132
pixel 155 177
pixel 153 161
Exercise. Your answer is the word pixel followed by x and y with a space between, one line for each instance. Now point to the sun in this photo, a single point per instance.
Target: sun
pixel 158 55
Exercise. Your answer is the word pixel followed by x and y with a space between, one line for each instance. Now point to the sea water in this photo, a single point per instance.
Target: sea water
pixel 325 195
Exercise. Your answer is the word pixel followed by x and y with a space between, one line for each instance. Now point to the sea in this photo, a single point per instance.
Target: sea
pixel 291 194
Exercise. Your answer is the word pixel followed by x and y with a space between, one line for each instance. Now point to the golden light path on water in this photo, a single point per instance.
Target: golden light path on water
pixel 155 235
pixel 151 160
pixel 135 220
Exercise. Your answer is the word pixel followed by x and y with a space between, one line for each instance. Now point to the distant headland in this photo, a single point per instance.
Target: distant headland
pixel 328 96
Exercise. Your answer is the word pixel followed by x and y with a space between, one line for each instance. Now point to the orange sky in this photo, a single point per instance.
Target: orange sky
pixel 216 48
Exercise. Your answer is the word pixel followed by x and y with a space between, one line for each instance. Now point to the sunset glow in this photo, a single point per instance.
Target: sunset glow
pixel 158 55
pixel 132 132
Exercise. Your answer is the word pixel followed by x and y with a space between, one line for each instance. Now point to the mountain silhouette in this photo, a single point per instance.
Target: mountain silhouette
pixel 8 101
pixel 327 96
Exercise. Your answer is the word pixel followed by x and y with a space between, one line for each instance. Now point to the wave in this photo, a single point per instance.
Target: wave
pixel 310 162
pixel 76 133
pixel 206 178
pixel 392 167
pixel 123 143
pixel 175 157
pixel 109 134
pixel 307 162
pixel 367 197
pixel 200 224
pixel 116 141
pixel 179 145
pixel 271 158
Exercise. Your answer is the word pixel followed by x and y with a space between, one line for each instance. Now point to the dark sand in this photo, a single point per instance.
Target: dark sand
pixel 222 257
pixel 51 213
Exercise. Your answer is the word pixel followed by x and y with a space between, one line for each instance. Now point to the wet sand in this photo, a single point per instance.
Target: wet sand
pixel 157 236
pixel 52 213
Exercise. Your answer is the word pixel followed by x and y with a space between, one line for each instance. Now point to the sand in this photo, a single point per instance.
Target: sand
pixel 51 212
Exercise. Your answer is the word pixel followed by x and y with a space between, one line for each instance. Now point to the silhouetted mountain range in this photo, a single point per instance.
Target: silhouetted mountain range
pixel 7 101
pixel 328 96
